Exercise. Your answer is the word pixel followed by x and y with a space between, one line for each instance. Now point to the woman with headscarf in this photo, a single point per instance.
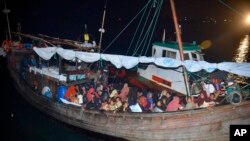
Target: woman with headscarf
pixel 124 92
pixel 71 93
pixel 174 105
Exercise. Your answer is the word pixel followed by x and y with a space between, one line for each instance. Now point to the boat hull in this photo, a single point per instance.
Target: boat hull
pixel 201 124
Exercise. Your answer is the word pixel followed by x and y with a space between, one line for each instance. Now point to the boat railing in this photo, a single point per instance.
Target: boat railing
pixel 245 90
pixel 246 87
pixel 74 75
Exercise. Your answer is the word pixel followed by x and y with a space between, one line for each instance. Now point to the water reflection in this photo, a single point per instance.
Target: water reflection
pixel 241 54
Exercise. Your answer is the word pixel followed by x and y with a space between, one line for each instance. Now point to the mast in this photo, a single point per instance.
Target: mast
pixel 101 30
pixel 178 34
pixel 6 11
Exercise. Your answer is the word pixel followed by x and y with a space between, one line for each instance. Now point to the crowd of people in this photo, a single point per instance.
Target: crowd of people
pixel 120 96
pixel 117 95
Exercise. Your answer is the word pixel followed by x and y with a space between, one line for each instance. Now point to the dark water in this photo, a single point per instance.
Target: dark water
pixel 22 122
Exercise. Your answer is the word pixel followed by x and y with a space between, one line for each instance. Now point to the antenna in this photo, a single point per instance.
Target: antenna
pixel 6 11
pixel 85 27
pixel 164 36
pixel 101 30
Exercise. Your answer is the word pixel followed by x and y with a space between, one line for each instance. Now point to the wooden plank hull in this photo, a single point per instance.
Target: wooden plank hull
pixel 201 124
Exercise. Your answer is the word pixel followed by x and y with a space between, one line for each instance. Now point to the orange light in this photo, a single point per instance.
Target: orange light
pixel 248 19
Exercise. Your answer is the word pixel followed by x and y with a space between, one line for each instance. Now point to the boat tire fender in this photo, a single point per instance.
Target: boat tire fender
pixel 234 98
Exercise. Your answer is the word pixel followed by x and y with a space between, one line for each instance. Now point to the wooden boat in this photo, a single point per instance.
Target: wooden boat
pixel 198 124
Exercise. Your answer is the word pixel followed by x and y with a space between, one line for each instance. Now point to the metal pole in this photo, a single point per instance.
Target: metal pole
pixel 60 64
pixel 178 34
pixel 6 11
pixel 102 27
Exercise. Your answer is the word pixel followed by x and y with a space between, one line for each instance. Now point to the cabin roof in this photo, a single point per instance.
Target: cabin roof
pixel 174 45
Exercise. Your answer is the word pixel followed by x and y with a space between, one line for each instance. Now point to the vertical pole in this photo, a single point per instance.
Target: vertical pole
pixel 180 45
pixel 102 27
pixel 60 64
pixel 6 11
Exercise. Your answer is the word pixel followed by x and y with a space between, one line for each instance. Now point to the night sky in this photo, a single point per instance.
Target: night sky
pixel 66 19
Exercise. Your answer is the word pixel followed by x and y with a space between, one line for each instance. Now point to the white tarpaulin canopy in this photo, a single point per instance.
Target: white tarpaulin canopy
pixel 128 62
pixel 45 53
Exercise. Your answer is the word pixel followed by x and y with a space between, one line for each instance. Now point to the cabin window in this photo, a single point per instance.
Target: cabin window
pixel 164 53
pixel 201 57
pixel 169 54
pixel 172 54
pixel 154 52
pixel 186 56
pixel 194 56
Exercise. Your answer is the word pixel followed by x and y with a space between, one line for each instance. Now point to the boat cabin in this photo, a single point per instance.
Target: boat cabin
pixel 170 78
pixel 192 51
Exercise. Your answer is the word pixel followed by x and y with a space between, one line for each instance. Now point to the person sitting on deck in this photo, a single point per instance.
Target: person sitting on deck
pixel 174 105
pixel 212 99
pixel 125 107
pixel 104 106
pixel 118 104
pixel 132 96
pixel 208 87
pixel 218 87
pixel 150 101
pixel 203 101
pixel 112 106
pixel 158 107
pixel 163 93
pixel 71 93
pixel 142 100
pixel 90 94
pixel 195 89
pixel 163 102
pixel 190 103
pixel 91 101
pixel 124 92
pixel 32 61
pixel 105 95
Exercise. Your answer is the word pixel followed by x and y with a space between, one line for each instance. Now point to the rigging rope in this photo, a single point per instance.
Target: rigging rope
pixel 136 32
pixel 155 21
pixel 145 23
pixel 125 27
pixel 147 39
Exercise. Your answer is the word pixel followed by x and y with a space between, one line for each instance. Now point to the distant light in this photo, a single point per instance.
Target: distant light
pixel 248 19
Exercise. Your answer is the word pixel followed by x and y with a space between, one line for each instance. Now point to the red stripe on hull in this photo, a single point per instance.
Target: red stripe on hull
pixel 161 80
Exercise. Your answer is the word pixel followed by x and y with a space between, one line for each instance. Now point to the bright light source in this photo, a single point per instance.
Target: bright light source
pixel 248 19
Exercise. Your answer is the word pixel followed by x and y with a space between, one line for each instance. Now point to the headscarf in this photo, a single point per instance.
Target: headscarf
pixel 90 94
pixel 174 104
